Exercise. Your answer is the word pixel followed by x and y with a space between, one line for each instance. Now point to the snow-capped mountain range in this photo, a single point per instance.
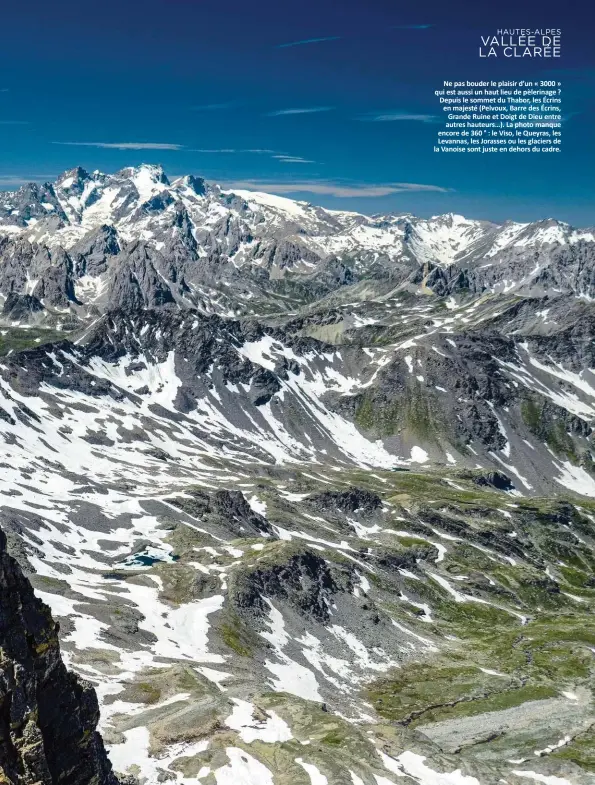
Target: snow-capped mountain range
pixel 397 339
pixel 91 241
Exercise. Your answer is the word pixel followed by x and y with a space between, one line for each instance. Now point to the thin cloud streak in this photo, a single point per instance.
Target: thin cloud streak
pixel 421 187
pixel 329 188
pixel 299 110
pixel 24 179
pixel 233 150
pixel 15 122
pixel 411 27
pixel 213 107
pixel 276 154
pixel 126 145
pixel 305 41
pixel 293 159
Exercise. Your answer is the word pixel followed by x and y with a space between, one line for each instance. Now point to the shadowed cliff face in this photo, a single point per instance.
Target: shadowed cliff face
pixel 48 716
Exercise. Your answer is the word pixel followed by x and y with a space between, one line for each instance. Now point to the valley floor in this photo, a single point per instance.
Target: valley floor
pixel 319 624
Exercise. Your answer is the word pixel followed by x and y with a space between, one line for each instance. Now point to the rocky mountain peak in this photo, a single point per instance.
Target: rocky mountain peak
pixel 196 184
pixel 72 176
pixel 152 172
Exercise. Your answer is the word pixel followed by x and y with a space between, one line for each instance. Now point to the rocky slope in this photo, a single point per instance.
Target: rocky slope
pixel 310 493
pixel 48 716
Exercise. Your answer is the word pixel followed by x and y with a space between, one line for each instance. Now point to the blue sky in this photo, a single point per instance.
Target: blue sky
pixel 326 101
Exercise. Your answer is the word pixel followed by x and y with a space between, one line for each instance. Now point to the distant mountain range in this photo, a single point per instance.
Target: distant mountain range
pixel 92 241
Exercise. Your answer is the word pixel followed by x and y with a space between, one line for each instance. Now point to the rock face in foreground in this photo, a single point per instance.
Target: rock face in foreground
pixel 48 716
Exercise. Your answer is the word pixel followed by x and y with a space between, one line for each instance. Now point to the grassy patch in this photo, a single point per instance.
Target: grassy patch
pixel 580 751
pixel 19 339
pixel 531 414
pixel 334 737
pixel 149 693
pixel 426 693
pixel 533 662
pixel 237 635
pixel 364 415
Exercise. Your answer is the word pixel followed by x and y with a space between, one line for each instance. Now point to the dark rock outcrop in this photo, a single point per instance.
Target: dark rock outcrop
pixel 55 282
pixel 235 510
pixel 48 716
pixel 493 479
pixel 93 252
pixel 21 306
pixel 136 281
pixel 228 509
pixel 349 501
pixel 264 385
pixel 292 574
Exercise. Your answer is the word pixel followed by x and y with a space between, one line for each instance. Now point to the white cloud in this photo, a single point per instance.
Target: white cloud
pixel 293 159
pixel 300 110
pixel 127 145
pixel 13 180
pixel 330 188
pixel 232 150
pixel 420 187
pixel 284 157
pixel 308 41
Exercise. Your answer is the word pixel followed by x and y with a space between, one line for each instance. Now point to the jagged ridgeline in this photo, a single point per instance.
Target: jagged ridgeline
pixel 311 494
pixel 89 242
